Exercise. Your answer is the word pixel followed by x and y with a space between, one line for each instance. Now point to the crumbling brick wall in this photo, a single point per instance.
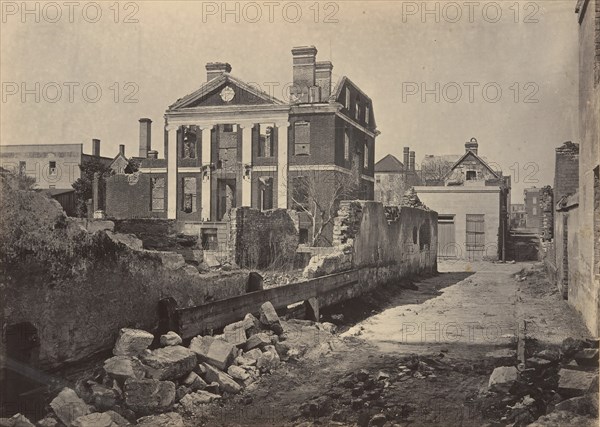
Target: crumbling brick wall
pixel 546 204
pixel 263 239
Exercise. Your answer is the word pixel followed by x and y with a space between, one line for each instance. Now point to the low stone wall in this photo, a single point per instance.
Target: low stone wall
pixel 399 241
pixel 119 286
pixel 263 239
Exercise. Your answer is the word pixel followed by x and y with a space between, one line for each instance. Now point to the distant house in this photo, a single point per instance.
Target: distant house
pixel 533 213
pixel 472 201
pixel 517 215
pixel 393 178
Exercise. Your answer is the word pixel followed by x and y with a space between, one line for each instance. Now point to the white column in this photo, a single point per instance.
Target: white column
pixel 172 172
pixel 206 160
pixel 246 160
pixel 282 164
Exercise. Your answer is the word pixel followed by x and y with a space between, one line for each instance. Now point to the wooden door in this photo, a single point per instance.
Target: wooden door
pixel 475 237
pixel 446 237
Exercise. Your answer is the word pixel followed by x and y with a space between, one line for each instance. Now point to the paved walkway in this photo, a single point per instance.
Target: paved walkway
pixel 471 309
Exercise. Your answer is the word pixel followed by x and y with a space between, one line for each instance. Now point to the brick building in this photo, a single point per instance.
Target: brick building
pixel 393 178
pixel 230 145
pixel 533 213
pixel 517 215
pixel 472 201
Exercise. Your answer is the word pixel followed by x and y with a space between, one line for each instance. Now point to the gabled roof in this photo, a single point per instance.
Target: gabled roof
pixel 389 164
pixel 471 153
pixel 217 82
pixel 338 92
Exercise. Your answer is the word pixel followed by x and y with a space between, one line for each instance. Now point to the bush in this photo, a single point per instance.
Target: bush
pixel 35 230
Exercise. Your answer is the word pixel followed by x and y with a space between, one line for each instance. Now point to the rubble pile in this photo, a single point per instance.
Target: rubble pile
pixel 363 397
pixel 411 199
pixel 553 387
pixel 151 387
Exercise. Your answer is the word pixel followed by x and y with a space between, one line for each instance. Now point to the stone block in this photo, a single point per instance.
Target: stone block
pixel 68 406
pixel 268 361
pixel 169 363
pixel 503 378
pixel 226 383
pixel 132 342
pixel 575 383
pixel 269 318
pixel 237 373
pixel 122 367
pixel 259 340
pixel 194 382
pixel 95 419
pixel 170 339
pixel 587 357
pixel 149 395
pixel 216 352
pixel 191 401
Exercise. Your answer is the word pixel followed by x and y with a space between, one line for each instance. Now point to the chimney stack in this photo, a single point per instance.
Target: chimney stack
pixel 304 69
pixel 96 147
pixel 411 161
pixel 122 150
pixel 323 78
pixel 472 145
pixel 405 160
pixel 216 69
pixel 145 137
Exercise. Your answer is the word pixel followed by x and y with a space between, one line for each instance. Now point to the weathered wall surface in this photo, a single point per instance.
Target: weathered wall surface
pixel 382 246
pixel 130 196
pixel 263 239
pixel 584 288
pixel 80 315
pixel 460 201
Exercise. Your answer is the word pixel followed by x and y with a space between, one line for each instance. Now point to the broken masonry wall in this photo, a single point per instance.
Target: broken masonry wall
pixel 81 313
pixel 385 243
pixel 130 196
pixel 263 239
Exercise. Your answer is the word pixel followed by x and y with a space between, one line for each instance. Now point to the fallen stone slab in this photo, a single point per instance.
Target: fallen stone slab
pixel 132 342
pixel 570 346
pixel 226 383
pixel 68 406
pixel 259 340
pixel 118 419
pixel 269 318
pixel 17 420
pixel 253 354
pixel 587 357
pixel 149 395
pixel 237 373
pixel 169 363
pixel 95 419
pixel 216 352
pixel 573 383
pixel 581 405
pixel 502 356
pixel 169 419
pixel 121 368
pixel 503 378
pixel 244 361
pixel 170 338
pixel 237 333
pixel 194 382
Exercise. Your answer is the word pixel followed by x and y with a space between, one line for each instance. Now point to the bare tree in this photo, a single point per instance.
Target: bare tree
pixel 435 168
pixel 318 195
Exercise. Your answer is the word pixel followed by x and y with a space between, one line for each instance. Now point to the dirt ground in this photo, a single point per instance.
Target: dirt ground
pixel 420 356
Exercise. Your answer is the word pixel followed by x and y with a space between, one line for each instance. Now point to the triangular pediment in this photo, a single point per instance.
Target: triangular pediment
pixel 225 90
pixel 470 157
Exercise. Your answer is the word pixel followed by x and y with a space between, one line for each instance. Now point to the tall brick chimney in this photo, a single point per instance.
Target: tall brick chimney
pixel 472 145
pixel 215 69
pixel 122 150
pixel 304 70
pixel 405 160
pixel 145 137
pixel 323 78
pixel 96 147
pixel 411 161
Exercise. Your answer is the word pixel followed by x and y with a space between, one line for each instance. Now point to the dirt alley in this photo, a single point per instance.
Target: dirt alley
pixel 453 330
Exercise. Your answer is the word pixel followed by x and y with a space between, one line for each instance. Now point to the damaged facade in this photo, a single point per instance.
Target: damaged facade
pixel 472 202
pixel 393 177
pixel 229 145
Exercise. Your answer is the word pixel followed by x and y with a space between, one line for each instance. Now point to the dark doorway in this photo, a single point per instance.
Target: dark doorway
pixel 226 199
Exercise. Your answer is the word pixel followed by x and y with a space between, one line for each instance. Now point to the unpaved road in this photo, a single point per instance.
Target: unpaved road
pixel 451 323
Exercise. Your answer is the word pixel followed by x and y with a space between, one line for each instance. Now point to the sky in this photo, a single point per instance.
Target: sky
pixel 439 73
